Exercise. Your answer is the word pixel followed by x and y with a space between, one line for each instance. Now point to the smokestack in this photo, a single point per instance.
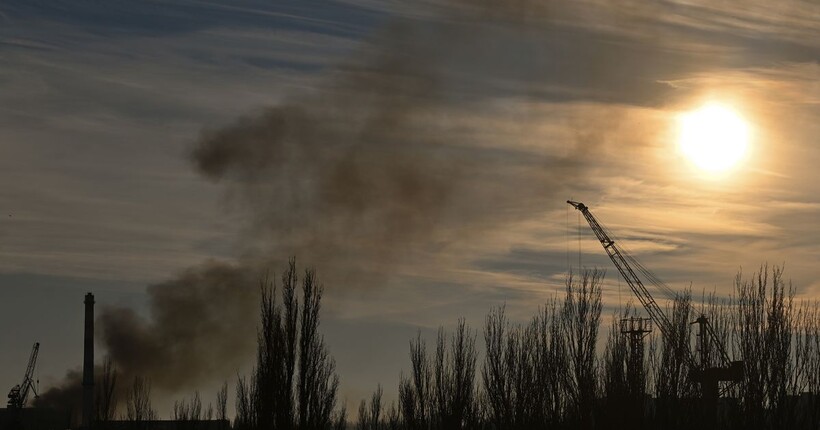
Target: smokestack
pixel 88 363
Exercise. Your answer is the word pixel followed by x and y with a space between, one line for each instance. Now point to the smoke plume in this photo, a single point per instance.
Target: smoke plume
pixel 66 395
pixel 385 161
pixel 379 165
pixel 201 325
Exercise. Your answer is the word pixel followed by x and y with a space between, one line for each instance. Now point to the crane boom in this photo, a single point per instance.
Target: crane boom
pixel 655 312
pixel 19 393
pixel 636 285
pixel 629 275
pixel 708 376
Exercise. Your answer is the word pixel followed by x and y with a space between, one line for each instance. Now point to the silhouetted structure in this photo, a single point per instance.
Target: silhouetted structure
pixel 705 372
pixel 635 329
pixel 34 419
pixel 165 425
pixel 18 395
pixel 88 364
pixel 543 374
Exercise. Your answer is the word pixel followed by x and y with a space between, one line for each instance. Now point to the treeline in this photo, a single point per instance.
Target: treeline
pixel 550 372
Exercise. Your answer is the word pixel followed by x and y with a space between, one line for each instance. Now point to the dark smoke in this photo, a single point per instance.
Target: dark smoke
pixel 67 395
pixel 346 170
pixel 365 174
pixel 202 325
pixel 368 171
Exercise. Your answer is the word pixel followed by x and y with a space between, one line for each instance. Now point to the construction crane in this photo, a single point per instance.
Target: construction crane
pixel 19 393
pixel 708 376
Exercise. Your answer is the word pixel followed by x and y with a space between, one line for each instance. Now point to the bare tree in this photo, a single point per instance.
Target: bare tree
pixel 340 419
pixel 370 415
pixel 222 405
pixel 188 412
pixel 496 370
pixel 547 374
pixel 614 377
pixel 551 370
pixel 441 393
pixel 581 315
pixel 765 329
pixel 209 412
pixel 393 418
pixel 106 395
pixel 414 392
pixel 674 379
pixel 290 316
pixel 246 403
pixel 188 409
pixel 453 392
pixel 509 371
pixel 317 382
pixel 294 381
pixel 275 354
pixel 807 366
pixel 138 403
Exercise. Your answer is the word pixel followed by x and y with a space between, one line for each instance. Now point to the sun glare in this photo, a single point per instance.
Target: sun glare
pixel 713 137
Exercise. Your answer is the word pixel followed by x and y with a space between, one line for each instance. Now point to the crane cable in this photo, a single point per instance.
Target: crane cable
pixel 579 243
pixel 651 277
pixel 566 236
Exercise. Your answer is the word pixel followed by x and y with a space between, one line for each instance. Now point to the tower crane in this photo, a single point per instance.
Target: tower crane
pixel 19 393
pixel 708 376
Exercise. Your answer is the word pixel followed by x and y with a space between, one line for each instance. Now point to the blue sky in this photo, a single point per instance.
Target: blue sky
pixel 487 116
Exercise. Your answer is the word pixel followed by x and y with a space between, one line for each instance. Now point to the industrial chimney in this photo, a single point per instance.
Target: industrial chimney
pixel 88 363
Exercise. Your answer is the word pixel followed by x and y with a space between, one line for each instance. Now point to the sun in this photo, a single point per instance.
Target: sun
pixel 713 137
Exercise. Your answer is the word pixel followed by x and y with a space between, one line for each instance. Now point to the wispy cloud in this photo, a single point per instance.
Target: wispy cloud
pixel 495 112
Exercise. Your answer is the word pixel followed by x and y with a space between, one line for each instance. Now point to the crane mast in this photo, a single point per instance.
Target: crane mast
pixel 629 275
pixel 19 393
pixel 730 371
pixel 707 375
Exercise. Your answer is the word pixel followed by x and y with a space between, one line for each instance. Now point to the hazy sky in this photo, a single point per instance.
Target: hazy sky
pixel 417 153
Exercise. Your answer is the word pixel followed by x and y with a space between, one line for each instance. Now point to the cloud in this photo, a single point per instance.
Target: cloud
pixel 437 149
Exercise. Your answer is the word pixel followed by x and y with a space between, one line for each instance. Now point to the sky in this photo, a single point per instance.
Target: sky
pixel 418 154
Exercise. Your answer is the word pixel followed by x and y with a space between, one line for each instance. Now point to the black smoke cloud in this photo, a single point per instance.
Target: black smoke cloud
pixel 201 325
pixel 66 395
pixel 363 174
pixel 368 170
